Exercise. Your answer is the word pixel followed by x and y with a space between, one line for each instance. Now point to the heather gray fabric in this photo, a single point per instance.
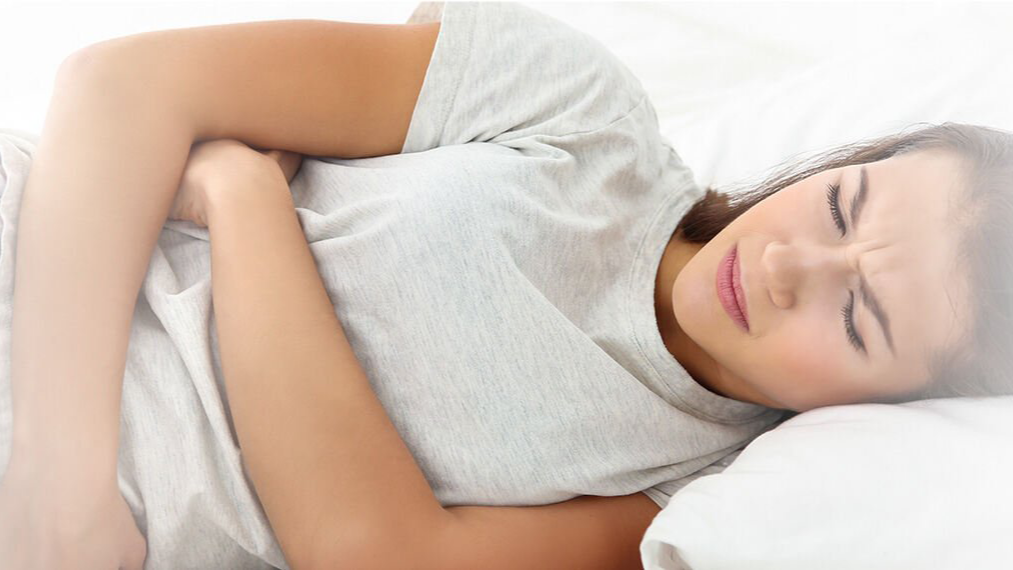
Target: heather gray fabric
pixel 495 279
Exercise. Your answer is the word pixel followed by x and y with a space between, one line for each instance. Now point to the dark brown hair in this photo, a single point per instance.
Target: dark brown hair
pixel 980 363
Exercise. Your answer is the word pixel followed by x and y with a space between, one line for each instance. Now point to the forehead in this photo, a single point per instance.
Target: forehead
pixel 911 225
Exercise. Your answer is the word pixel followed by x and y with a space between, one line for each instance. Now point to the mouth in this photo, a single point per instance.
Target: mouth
pixel 729 289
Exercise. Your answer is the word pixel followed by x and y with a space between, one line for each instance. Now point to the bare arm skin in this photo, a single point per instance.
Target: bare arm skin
pixel 98 191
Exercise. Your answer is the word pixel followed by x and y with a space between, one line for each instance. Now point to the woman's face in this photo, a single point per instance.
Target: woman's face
pixel 802 273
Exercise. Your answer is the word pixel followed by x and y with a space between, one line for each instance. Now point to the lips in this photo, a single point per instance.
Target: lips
pixel 729 289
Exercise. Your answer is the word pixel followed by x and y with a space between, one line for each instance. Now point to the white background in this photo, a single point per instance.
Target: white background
pixel 767 39
pixel 738 86
pixel 36 36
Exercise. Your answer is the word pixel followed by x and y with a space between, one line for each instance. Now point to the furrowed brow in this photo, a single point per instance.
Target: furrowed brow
pixel 869 298
pixel 860 197
pixel 867 295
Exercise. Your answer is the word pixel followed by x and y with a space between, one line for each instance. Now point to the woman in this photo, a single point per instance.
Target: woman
pixel 544 328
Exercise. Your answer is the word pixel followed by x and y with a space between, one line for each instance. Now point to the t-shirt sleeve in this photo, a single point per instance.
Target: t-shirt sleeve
pixel 662 493
pixel 502 70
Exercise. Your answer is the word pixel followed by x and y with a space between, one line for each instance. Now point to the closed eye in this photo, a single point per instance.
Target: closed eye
pixel 848 312
pixel 834 200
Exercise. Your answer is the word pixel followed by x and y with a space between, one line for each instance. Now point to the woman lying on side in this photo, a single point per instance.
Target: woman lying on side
pixel 505 347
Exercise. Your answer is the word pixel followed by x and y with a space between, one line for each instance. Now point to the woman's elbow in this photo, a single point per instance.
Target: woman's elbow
pixel 112 80
pixel 90 64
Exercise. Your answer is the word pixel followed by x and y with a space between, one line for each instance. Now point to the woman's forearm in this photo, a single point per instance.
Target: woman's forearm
pixel 99 189
pixel 327 463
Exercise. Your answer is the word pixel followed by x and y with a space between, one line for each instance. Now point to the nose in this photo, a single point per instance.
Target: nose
pixel 789 268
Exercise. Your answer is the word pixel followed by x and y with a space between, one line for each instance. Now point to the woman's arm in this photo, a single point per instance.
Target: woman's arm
pixel 325 459
pixel 98 191
pixel 118 130
pixel 119 127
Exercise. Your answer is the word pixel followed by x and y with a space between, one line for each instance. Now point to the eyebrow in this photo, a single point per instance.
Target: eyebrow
pixel 867 295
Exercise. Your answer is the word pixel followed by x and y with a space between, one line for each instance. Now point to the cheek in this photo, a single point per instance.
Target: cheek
pixel 804 366
pixel 808 359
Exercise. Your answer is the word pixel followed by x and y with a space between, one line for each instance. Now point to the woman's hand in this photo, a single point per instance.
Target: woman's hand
pixel 212 163
pixel 47 523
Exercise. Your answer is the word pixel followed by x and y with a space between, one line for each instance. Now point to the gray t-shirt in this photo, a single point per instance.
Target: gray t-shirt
pixel 495 279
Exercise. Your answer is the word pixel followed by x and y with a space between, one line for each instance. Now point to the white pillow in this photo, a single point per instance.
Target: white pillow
pixel 925 484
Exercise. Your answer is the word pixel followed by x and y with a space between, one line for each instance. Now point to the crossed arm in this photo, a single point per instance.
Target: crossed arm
pixel 324 457
pixel 337 482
